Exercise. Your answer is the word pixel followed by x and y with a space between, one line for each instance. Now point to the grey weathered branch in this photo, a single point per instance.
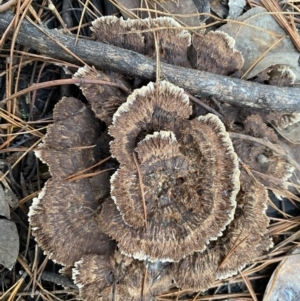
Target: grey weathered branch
pixel 103 56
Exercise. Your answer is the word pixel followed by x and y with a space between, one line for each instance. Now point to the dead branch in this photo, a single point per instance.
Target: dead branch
pixel 106 57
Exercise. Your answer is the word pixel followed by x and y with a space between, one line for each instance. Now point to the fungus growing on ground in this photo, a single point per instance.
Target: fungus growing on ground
pixel 264 162
pixel 62 217
pixel 214 52
pixel 244 239
pixel 181 178
pixel 104 99
pixel 120 276
pixel 175 211
pixel 138 35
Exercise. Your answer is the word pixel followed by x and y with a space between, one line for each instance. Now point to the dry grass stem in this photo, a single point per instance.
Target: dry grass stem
pixel 142 188
pixel 273 6
pixel 87 169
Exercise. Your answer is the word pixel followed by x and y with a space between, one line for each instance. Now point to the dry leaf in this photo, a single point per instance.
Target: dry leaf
pixel 184 7
pixel 284 284
pixel 236 8
pixel 4 206
pixel 253 43
pixel 203 6
pixel 180 7
pixel 7 199
pixel 9 243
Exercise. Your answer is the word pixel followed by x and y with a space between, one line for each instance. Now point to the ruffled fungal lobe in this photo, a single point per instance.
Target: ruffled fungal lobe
pixel 189 177
pixel 138 35
pixel 146 111
pixel 121 33
pixel 214 52
pixel 244 239
pixel 285 120
pixel 62 217
pixel 92 274
pixel 173 43
pixel 120 277
pixel 104 98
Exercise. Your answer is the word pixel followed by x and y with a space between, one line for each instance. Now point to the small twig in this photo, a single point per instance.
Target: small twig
pixel 144 282
pixel 235 246
pixel 88 175
pixel 141 187
pixel 58 279
pixel 202 104
pixel 68 81
pixel 70 177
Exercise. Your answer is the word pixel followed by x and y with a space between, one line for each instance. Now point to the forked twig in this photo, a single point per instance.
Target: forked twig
pixel 88 175
pixel 70 177
pixel 235 246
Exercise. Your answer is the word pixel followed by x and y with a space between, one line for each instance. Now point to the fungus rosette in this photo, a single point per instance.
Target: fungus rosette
pixel 179 211
pixel 179 193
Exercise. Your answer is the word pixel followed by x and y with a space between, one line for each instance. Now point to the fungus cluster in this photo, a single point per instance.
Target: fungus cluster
pixel 213 52
pixel 179 211
pixel 173 206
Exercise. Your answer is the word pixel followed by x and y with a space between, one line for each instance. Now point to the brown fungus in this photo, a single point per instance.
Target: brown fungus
pixel 121 33
pixel 120 278
pixel 173 203
pixel 244 239
pixel 104 99
pixel 176 210
pixel 138 35
pixel 214 52
pixel 146 110
pixel 62 217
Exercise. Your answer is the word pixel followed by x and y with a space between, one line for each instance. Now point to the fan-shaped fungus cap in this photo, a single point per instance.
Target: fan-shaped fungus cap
pixel 146 110
pixel 104 99
pixel 244 239
pixel 120 277
pixel 93 273
pixel 214 52
pixel 137 35
pixel 184 186
pixel 62 217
